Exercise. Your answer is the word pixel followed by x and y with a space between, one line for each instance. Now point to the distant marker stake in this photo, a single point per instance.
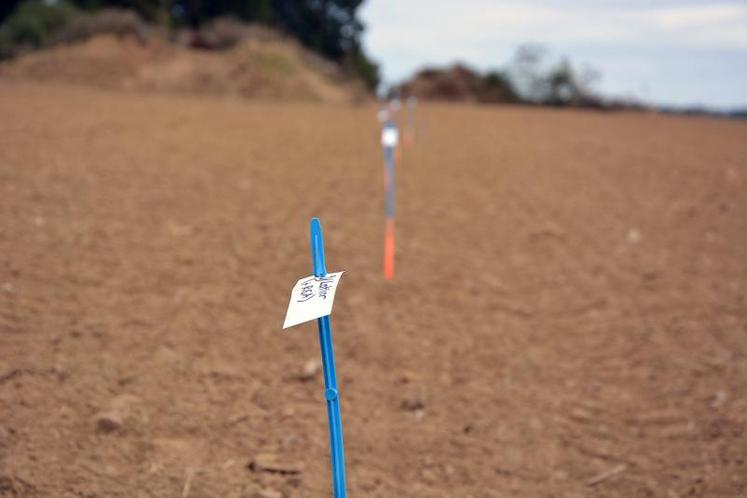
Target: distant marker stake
pixel 389 140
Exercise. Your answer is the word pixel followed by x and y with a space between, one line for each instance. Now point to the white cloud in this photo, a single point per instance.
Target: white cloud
pixel 698 16
pixel 423 22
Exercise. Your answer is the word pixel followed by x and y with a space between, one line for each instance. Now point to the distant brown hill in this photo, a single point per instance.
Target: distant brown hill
pixel 458 83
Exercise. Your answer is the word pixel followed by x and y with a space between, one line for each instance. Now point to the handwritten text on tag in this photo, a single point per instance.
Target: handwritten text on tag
pixel 312 297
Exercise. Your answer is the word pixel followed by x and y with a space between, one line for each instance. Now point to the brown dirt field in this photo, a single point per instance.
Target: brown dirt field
pixel 568 317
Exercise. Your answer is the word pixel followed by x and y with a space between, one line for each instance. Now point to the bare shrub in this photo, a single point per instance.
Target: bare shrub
pixel 227 32
pixel 117 22
pixel 221 34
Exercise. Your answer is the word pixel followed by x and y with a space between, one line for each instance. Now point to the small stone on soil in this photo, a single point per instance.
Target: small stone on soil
pixel 109 422
pixel 310 369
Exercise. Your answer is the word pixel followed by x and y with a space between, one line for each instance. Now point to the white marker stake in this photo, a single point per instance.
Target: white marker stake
pixel 311 298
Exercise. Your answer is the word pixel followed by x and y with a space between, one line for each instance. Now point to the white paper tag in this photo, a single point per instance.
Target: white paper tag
pixel 312 297
pixel 389 136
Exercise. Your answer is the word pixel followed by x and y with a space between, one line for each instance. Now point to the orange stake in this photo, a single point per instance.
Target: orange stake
pixel 389 250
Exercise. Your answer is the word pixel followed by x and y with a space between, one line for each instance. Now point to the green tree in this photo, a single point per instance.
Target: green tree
pixel 32 22
pixel 150 10
pixel 7 7
pixel 329 27
pixel 498 87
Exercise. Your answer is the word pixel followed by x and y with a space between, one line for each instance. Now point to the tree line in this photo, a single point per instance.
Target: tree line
pixel 532 76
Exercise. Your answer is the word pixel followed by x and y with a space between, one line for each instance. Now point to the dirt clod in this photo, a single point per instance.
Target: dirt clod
pixel 109 421
pixel 269 462
pixel 310 369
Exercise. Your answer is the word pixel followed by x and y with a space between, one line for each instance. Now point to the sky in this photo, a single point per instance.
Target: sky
pixel 671 52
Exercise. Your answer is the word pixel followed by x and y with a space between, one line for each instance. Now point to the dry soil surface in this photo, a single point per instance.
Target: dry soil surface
pixel 568 317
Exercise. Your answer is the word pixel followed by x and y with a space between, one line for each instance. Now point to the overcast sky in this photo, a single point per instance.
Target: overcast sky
pixel 664 51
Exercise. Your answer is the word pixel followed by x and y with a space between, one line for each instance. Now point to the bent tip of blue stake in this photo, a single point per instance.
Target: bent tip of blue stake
pixel 317 248
pixel 316 228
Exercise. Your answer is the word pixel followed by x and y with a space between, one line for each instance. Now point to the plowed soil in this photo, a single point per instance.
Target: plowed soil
pixel 568 316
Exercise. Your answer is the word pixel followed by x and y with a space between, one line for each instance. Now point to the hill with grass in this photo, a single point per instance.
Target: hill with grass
pixel 121 49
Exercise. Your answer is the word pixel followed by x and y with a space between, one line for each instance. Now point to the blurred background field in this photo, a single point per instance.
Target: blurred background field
pixel 568 316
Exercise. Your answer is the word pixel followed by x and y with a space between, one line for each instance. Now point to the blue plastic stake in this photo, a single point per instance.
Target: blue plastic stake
pixel 389 161
pixel 330 376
